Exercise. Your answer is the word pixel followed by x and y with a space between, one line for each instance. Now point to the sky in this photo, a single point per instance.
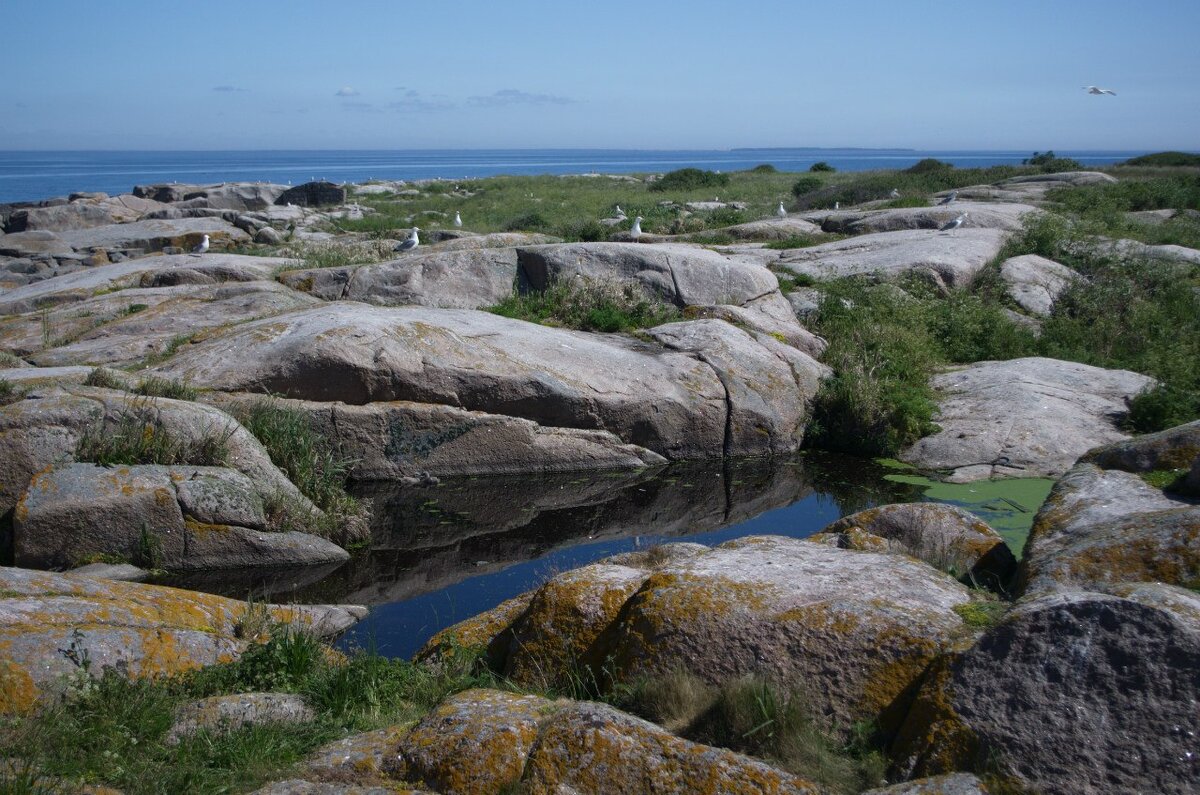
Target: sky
pixel 920 74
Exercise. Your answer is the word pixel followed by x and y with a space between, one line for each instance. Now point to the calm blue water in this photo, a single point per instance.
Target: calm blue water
pixel 26 176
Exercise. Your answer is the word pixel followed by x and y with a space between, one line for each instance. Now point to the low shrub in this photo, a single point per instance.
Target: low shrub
pixel 764 168
pixel 103 377
pixel 806 185
pixel 1048 162
pixel 929 164
pixel 821 165
pixel 527 222
pixel 686 179
pixel 1165 159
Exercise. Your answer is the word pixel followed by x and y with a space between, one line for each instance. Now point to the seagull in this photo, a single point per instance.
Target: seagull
pixel 202 246
pixel 1096 90
pixel 782 213
pixel 949 199
pixel 620 212
pixel 457 219
pixel 636 231
pixel 410 242
pixel 837 205
pixel 895 194
pixel 955 224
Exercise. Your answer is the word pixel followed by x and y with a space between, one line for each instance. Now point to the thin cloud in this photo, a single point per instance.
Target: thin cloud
pixel 346 91
pixel 361 107
pixel 229 89
pixel 511 96
pixel 414 102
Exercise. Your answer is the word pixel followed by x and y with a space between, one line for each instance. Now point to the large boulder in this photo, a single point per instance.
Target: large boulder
pixel 1035 283
pixel 181 518
pixel 221 714
pixel 1032 188
pixel 949 259
pixel 452 280
pixel 1073 692
pixel 76 215
pixel 773 229
pixel 1174 448
pixel 672 403
pixel 993 215
pixel 944 536
pixel 151 236
pixel 1100 527
pixel 39 243
pixel 238 195
pixel 50 624
pixel 1023 417
pixel 494 240
pixel 313 194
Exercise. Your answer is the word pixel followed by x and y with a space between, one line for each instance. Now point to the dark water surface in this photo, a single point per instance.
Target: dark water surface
pixel 443 553
pixel 30 175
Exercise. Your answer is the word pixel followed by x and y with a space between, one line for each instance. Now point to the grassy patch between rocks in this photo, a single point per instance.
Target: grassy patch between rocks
pixel 139 437
pixel 167 388
pixel 589 305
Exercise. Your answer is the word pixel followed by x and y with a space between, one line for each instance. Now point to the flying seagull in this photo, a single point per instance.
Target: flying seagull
pixel 955 224
pixel 782 213
pixel 950 199
pixel 636 231
pixel 201 247
pixel 410 242
pixel 457 219
pixel 1097 90
pixel 895 194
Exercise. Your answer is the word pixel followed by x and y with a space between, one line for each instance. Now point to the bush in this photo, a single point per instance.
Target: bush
pixel 1049 162
pixel 1165 159
pixel 686 179
pixel 103 377
pixel 764 168
pixel 928 165
pixel 529 222
pixel 821 166
pixel 806 185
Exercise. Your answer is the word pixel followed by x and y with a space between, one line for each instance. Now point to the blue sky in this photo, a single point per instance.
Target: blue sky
pixel 516 74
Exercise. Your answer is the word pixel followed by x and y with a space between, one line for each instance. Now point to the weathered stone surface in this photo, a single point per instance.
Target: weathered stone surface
pixel 1023 417
pixel 1131 249
pixel 76 215
pixel 238 195
pixel 452 280
pixel 182 518
pixel 773 229
pixel 1101 527
pixel 34 244
pixel 993 215
pixel 949 784
pixel 496 240
pixel 594 748
pixel 298 786
pixel 220 714
pixel 771 315
pixel 313 194
pixel 392 440
pixel 950 259
pixel 1174 448
pixel 944 536
pixel 45 376
pixel 1032 187
pixel 155 235
pixel 1036 282
pixel 1072 692
pixel 141 630
pixel 126 572
pixel 127 207
pixel 362 756
pixel 671 403
pixel 84 284
pixel 681 274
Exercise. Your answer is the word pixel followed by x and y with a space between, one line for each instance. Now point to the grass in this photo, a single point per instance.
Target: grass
pixel 589 305
pixel 10 392
pixel 311 463
pixel 138 437
pixel 982 613
pixel 342 253
pixel 167 388
pixel 103 377
pixel 8 360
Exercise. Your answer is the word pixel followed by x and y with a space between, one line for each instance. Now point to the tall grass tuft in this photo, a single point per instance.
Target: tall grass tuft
pixel 167 388
pixel 139 437
pixel 589 305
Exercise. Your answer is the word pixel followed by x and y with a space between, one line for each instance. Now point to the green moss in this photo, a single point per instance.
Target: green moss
pixel 981 613
pixel 1162 478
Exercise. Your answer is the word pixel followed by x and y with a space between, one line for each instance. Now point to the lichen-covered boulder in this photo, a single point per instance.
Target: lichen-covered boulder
pixel 1073 692
pixel 1100 526
pixel 1035 283
pixel 1174 448
pixel 362 757
pixel 944 536
pixel 56 626
pixel 229 713
pixel 296 786
pixel 949 784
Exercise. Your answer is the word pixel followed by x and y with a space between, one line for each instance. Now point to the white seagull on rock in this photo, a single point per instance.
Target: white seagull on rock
pixel 1098 90
pixel 410 242
pixel 782 213
pixel 955 224
pixel 202 246
pixel 895 194
pixel 950 199
pixel 457 219
pixel 636 230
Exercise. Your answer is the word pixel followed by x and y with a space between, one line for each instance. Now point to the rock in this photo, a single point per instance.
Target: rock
pixel 368 755
pixel 1024 417
pixel 126 572
pixel 127 207
pixel 770 315
pixel 668 402
pixel 139 630
pixel 313 194
pixel 77 215
pixel 1032 187
pixel 681 274
pixel 45 428
pixel 949 259
pixel 1153 217
pixel 179 518
pixel 221 714
pixel 1174 448
pixel 949 784
pixel 154 235
pixel 92 282
pixel 398 439
pixel 497 240
pixel 451 280
pixel 1101 527
pixel 302 787
pixel 1133 249
pixel 1073 692
pixel 993 215
pixel 239 195
pixel 773 229
pixel 1036 282
pixel 45 376
pixel 163 192
pixel 806 302
pixel 268 236
pixel 944 536
pixel 34 244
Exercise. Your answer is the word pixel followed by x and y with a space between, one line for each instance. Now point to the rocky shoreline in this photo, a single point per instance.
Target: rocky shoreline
pixel 134 384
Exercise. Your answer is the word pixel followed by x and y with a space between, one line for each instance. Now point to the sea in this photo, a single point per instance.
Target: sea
pixel 34 175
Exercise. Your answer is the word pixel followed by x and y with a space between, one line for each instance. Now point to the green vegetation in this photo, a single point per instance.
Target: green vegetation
pixel 138 437
pixel 821 165
pixel 9 393
pixel 164 387
pixel 1165 159
pixel 806 185
pixel 1164 478
pixel 689 179
pixel 8 360
pixel 1050 163
pixel 981 613
pixel 764 168
pixel 310 462
pixel 103 377
pixel 927 165
pixel 589 305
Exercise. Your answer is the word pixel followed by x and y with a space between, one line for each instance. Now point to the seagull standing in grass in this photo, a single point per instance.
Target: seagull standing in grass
pixel 202 246
pixel 782 213
pixel 409 243
pixel 950 199
pixel 636 230
pixel 895 194
pixel 620 213
pixel 1098 90
pixel 955 224
pixel 457 219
